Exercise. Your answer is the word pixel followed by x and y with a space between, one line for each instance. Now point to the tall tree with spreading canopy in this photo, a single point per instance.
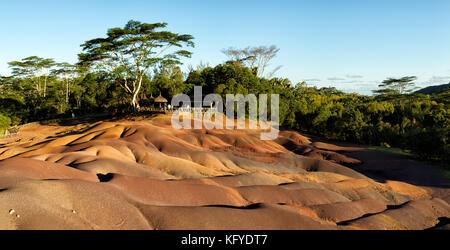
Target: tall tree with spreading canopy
pixel 254 57
pixel 35 68
pixel 66 72
pixel 396 85
pixel 131 51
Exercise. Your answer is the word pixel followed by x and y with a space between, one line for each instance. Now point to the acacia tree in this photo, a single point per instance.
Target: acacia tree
pixel 34 68
pixel 396 85
pixel 254 57
pixel 66 73
pixel 131 51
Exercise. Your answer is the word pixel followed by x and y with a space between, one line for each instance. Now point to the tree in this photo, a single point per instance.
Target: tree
pixel 169 80
pixel 129 53
pixel 34 68
pixel 225 79
pixel 5 122
pixel 66 73
pixel 397 85
pixel 254 57
pixel 5 84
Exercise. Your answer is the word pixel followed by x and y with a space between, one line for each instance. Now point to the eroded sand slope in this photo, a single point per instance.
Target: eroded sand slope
pixel 146 175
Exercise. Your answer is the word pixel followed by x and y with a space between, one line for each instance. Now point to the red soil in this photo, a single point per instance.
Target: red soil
pixel 146 175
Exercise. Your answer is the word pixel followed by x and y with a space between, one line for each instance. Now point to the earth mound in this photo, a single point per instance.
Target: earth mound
pixel 147 175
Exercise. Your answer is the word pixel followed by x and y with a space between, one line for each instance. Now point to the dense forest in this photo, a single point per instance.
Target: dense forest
pixel 120 72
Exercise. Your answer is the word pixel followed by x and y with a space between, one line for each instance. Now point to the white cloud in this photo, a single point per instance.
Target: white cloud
pixel 353 76
pixel 435 80
pixel 440 78
pixel 352 81
pixel 335 79
pixel 311 80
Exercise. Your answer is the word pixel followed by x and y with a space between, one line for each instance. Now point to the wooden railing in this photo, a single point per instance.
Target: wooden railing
pixel 172 110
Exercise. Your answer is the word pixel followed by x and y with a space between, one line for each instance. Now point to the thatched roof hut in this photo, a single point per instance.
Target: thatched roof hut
pixel 161 99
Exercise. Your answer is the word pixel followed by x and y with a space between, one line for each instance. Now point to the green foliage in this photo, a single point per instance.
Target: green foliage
pixel 5 122
pixel 129 52
pixel 225 79
pixel 429 143
pixel 409 121
pixel 169 81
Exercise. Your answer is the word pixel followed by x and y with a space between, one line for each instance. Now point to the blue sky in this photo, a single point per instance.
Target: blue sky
pixel 351 45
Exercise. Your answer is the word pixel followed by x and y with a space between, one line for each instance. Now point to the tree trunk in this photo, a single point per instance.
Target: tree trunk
pixel 45 86
pixel 38 88
pixel 78 98
pixel 67 92
pixel 135 102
